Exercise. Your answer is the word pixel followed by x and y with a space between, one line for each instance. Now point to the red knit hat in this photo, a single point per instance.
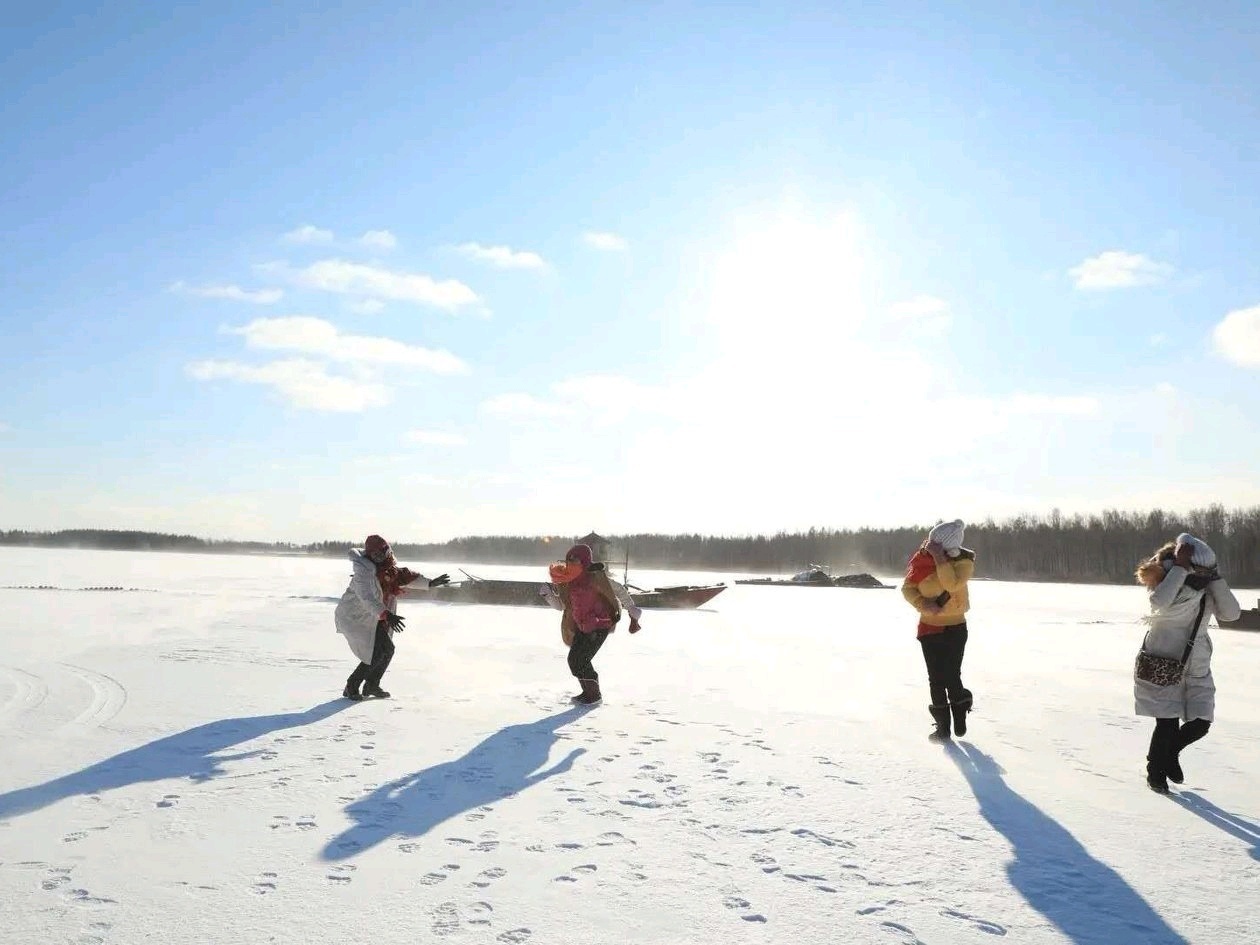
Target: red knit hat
pixel 579 553
pixel 375 543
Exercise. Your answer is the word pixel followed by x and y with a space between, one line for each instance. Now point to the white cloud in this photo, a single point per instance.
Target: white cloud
pixel 1115 269
pixel 436 438
pixel 367 307
pixel 378 239
pixel 1158 340
pixel 503 256
pixel 608 242
pixel 523 405
pixel 990 416
pixel 304 384
pixel 233 292
pixel 1031 405
pixel 1237 337
pixel 5 428
pixel 928 313
pixel 315 336
pixel 350 278
pixel 1165 388
pixel 308 234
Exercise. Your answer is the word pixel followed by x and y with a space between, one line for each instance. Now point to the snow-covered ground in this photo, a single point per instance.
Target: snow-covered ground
pixel 178 767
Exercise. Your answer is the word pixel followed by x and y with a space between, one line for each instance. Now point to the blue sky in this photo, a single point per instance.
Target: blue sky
pixel 289 273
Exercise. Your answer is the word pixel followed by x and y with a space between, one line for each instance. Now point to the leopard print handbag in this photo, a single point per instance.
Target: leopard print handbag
pixel 1164 670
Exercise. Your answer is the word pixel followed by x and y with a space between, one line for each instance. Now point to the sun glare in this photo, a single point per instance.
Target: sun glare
pixel 800 275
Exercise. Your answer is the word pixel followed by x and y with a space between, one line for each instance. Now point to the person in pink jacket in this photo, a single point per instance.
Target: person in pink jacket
pixel 591 612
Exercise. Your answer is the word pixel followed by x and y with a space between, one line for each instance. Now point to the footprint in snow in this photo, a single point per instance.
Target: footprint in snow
pixel 265 883
pixel 983 925
pixel 445 919
pixel 486 877
pixel 767 863
pixel 612 838
pixel 821 883
pixel 584 870
pixel 826 841
pixel 438 876
pixel 341 874
pixel 908 936
pixel 741 905
pixel 57 878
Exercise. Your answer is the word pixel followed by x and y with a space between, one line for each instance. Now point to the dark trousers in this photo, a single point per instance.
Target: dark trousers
pixel 943 654
pixel 382 653
pixel 583 650
pixel 1170 736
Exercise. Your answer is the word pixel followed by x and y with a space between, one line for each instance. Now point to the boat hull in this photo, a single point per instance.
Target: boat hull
pixel 528 594
pixel 1248 620
pixel 844 580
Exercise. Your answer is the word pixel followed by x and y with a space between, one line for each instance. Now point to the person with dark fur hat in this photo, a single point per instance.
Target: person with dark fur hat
pixel 591 612
pixel 367 615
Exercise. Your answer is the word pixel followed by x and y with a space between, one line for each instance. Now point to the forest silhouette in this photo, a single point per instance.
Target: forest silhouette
pixel 1096 548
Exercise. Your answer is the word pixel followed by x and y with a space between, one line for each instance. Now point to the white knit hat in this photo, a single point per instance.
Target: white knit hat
pixel 1201 553
pixel 948 534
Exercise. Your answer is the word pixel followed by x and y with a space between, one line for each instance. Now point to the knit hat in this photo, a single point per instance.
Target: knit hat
pixel 1201 553
pixel 581 554
pixel 948 534
pixel 375 543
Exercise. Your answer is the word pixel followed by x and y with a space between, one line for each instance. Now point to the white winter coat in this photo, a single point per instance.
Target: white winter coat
pixel 1174 608
pixel 361 606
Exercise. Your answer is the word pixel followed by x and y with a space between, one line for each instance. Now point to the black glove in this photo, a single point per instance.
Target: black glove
pixel 395 622
pixel 440 580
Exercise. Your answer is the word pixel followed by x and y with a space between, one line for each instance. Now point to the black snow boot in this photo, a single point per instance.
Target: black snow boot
pixel 1161 751
pixel 959 708
pixel 941 714
pixel 1188 734
pixel 374 692
pixel 590 692
pixel 351 691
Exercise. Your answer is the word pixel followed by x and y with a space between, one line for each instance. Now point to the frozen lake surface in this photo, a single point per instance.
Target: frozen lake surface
pixel 178 767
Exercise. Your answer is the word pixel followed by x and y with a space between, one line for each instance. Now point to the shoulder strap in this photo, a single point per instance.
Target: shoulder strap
pixel 1185 657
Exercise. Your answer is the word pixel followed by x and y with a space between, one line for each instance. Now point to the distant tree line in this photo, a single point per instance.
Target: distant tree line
pixel 1101 548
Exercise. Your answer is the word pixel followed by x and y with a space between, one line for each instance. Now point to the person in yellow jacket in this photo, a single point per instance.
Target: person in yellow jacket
pixel 936 587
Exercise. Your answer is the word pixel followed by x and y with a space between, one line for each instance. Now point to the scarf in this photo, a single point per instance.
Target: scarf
pixel 565 572
pixel 920 567
pixel 392 577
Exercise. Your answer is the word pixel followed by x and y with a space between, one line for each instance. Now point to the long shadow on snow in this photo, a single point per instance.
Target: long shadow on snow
pixel 503 764
pixel 1086 899
pixel 1232 824
pixel 192 754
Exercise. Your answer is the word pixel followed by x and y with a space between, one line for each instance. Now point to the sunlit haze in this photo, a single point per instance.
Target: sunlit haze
pixel 286 273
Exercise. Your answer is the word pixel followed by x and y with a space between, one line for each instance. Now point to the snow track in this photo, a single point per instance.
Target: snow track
pixel 108 696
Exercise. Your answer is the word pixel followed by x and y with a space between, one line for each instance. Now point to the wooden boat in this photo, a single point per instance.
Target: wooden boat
pixel 678 597
pixel 818 576
pixel 476 590
pixel 1247 620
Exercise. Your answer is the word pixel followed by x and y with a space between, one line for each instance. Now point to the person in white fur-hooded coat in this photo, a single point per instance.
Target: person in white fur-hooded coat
pixel 1179 577
pixel 367 614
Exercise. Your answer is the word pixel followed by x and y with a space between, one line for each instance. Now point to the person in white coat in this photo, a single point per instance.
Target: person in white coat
pixel 1186 590
pixel 367 614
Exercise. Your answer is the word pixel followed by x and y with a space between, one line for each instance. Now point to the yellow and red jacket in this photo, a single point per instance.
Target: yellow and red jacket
pixel 949 577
